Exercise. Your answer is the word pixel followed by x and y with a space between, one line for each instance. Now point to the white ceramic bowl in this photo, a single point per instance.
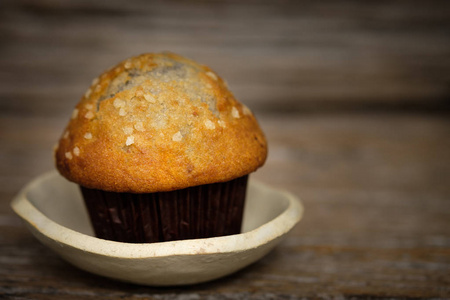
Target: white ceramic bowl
pixel 54 212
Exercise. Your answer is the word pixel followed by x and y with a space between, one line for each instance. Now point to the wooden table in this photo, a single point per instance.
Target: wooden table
pixel 353 97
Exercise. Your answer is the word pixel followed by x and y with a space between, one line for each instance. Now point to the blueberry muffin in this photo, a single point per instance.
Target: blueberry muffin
pixel 162 151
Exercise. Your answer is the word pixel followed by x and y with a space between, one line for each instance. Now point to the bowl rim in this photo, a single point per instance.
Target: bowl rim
pixel 257 237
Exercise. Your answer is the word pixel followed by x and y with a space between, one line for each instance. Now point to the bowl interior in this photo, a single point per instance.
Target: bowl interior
pixel 61 201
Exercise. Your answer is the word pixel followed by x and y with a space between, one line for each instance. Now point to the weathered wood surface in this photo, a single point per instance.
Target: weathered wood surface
pixel 353 98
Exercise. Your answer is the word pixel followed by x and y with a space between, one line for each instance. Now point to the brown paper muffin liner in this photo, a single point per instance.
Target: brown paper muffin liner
pixel 203 211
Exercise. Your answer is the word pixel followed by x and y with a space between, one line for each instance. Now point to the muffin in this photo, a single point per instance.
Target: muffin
pixel 162 151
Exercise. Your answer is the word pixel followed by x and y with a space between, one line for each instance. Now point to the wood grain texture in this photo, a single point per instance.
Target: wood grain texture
pixel 353 98
pixel 304 55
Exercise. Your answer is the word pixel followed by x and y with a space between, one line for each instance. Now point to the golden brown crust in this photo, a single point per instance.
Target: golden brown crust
pixel 159 122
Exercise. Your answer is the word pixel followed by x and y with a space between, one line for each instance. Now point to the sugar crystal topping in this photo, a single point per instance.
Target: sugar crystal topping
pixel 177 137
pixel 139 126
pixel 88 93
pixel 118 103
pixel 246 111
pixel 68 155
pixel 211 75
pixel 74 113
pixel 76 151
pixel 122 112
pixel 89 115
pixel 128 64
pixel 128 130
pixel 235 113
pixel 209 124
pixel 149 98
pixel 130 140
pixel 145 108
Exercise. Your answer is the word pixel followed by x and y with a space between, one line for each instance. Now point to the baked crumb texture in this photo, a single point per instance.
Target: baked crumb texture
pixel 159 122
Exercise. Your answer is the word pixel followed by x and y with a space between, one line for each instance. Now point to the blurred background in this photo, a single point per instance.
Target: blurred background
pixel 353 97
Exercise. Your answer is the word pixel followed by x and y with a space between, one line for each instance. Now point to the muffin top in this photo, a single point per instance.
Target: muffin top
pixel 159 122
